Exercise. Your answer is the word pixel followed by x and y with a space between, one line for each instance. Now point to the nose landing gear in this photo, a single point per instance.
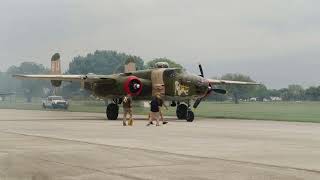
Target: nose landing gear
pixel 190 116
pixel 184 112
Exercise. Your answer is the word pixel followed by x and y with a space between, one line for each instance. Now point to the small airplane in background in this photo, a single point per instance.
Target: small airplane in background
pixel 172 84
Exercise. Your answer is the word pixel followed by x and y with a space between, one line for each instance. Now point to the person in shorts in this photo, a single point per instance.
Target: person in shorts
pixel 161 103
pixel 127 108
pixel 154 111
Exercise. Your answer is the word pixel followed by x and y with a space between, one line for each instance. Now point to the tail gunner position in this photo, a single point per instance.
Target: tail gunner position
pixel 173 84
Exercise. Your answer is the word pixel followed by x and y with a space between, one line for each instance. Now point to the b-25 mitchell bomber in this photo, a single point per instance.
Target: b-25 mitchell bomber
pixel 173 84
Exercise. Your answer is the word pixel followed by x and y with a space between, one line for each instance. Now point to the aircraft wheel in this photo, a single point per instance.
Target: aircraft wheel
pixel 112 111
pixel 182 111
pixel 190 116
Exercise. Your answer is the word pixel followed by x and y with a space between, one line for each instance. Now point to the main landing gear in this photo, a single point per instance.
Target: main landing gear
pixel 113 109
pixel 184 112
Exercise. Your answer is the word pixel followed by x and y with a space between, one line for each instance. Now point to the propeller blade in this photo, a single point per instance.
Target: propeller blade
pixel 219 91
pixel 197 102
pixel 201 70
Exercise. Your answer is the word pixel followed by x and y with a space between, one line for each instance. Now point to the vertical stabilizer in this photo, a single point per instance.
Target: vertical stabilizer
pixel 55 64
pixel 55 70
pixel 130 65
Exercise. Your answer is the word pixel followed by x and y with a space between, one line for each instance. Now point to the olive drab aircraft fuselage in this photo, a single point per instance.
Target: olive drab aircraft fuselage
pixel 172 84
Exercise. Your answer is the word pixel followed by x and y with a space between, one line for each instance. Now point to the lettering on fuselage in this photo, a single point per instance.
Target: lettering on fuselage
pixel 181 89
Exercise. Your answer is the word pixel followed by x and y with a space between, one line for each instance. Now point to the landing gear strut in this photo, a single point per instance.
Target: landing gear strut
pixel 113 109
pixel 184 112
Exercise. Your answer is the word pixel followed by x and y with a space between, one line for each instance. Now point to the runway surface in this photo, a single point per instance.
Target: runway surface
pixel 40 145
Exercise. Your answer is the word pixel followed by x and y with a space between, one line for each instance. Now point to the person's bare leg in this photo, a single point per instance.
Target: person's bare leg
pixel 130 113
pixel 157 118
pixel 130 117
pixel 150 118
pixel 124 117
pixel 161 118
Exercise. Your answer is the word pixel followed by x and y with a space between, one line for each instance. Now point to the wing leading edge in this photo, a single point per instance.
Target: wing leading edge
pixel 217 81
pixel 88 78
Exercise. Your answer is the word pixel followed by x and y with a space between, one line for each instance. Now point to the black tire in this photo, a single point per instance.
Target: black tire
pixel 181 111
pixel 112 111
pixel 190 116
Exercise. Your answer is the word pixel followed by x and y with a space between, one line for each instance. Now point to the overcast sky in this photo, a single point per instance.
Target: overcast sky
pixel 276 42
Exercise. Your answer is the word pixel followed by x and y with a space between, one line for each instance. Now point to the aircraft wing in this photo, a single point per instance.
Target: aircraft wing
pixel 90 78
pixel 217 81
pixel 7 94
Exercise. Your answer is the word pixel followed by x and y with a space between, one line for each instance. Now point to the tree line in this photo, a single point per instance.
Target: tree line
pixel 293 92
pixel 109 62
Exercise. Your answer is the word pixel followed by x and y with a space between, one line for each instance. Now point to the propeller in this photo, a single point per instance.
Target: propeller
pixel 201 70
pixel 197 102
pixel 210 89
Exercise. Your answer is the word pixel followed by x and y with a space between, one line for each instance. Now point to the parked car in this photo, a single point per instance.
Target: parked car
pixel 55 102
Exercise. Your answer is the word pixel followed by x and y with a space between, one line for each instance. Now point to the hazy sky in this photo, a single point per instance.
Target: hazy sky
pixel 276 42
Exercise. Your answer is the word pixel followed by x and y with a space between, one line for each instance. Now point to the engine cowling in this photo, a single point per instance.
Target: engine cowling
pixel 132 86
pixel 56 83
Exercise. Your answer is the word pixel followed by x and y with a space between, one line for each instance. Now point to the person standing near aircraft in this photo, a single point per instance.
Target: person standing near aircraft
pixel 161 103
pixel 155 111
pixel 127 108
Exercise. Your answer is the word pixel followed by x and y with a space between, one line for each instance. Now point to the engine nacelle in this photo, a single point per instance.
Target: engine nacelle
pixel 56 83
pixel 132 86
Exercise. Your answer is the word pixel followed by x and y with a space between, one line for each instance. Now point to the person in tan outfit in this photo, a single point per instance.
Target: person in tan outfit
pixel 127 108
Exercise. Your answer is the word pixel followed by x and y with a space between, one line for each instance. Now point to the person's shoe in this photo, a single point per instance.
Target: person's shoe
pixel 148 124
pixel 158 125
pixel 164 122
pixel 151 122
pixel 124 124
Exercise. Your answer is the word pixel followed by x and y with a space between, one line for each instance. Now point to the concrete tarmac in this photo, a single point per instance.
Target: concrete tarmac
pixel 47 145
